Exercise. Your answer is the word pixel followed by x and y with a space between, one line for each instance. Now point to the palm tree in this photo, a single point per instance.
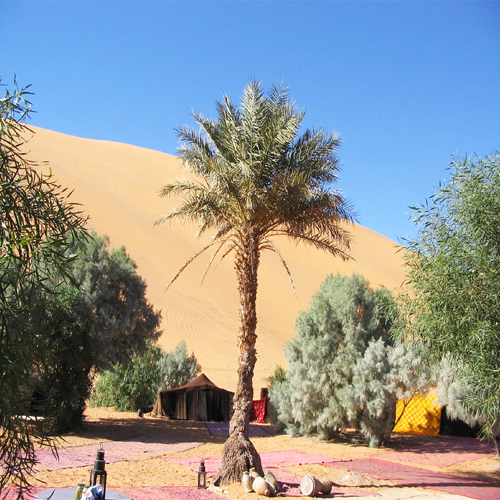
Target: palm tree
pixel 257 179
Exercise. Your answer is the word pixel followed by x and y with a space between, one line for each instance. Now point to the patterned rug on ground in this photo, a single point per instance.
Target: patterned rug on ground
pixel 290 486
pixel 269 459
pixel 407 476
pixel 115 451
pixel 147 493
pixel 442 452
pixel 221 429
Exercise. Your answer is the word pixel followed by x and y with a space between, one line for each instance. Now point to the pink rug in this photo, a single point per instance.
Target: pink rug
pixel 407 476
pixel 290 486
pixel 115 451
pixel 169 493
pixel 442 452
pixel 145 493
pixel 269 459
pixel 221 429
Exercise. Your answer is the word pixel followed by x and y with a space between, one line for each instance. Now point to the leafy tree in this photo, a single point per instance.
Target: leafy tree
pixel 136 384
pixel 453 272
pixel 343 370
pixel 65 380
pixel 132 386
pixel 177 368
pixel 36 220
pixel 108 321
pixel 256 179
pixel 125 321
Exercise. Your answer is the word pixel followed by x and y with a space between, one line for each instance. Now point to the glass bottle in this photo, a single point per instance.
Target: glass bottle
pixel 79 491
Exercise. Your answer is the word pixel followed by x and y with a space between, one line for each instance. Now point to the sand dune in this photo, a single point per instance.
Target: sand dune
pixel 118 186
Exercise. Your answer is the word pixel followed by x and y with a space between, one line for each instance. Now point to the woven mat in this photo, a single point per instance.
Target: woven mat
pixel 442 452
pixel 115 451
pixel 221 429
pixel 407 476
pixel 145 493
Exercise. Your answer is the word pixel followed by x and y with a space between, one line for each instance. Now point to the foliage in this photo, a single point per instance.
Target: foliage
pixel 275 382
pixel 132 386
pixel 343 370
pixel 277 377
pixel 125 320
pixel 109 320
pixel 454 277
pixel 253 178
pixel 36 220
pixel 65 380
pixel 177 368
pixel 383 376
pixel 453 389
pixel 135 385
pixel 452 392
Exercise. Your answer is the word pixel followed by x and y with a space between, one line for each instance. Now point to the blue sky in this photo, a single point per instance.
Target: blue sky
pixel 407 84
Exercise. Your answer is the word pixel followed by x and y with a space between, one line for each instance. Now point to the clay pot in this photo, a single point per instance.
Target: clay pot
pixel 272 489
pixel 271 479
pixel 310 486
pixel 247 481
pixel 326 486
pixel 253 473
pixel 261 487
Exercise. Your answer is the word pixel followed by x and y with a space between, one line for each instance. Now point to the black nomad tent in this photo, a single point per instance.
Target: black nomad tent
pixel 200 399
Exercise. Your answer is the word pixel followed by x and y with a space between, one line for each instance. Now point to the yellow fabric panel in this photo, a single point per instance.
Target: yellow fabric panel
pixel 421 416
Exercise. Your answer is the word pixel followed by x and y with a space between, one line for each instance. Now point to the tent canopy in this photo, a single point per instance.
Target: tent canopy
pixel 199 399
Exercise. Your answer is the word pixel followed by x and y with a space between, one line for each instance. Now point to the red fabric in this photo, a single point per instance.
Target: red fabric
pixel 258 412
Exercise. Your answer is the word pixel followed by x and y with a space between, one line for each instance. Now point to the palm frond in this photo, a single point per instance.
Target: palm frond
pixel 259 175
pixel 210 262
pixel 197 254
pixel 269 244
pixel 338 247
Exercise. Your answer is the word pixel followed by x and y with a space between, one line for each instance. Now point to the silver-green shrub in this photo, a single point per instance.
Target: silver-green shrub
pixel 177 368
pixel 343 371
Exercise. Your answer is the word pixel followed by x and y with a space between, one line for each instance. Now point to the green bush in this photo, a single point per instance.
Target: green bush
pixel 64 375
pixel 177 368
pixel 130 387
pixel 135 386
pixel 344 371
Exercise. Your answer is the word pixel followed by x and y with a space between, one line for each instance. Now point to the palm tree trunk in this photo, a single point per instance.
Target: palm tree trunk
pixel 239 454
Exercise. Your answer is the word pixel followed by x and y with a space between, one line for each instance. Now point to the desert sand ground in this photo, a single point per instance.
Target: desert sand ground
pixel 104 425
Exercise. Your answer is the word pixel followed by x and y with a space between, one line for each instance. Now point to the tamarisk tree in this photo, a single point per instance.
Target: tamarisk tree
pixel 343 369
